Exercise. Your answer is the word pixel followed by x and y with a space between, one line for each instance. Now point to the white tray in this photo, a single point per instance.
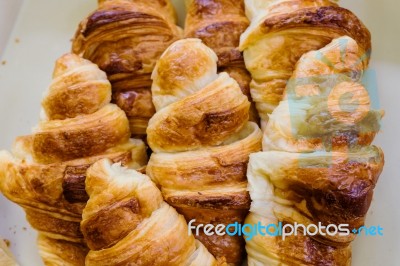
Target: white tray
pixel 42 32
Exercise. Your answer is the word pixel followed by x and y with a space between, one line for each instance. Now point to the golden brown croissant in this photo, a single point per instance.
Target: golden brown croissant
pixel 219 24
pixel 61 252
pixel 6 257
pixel 281 32
pixel 201 140
pixel 126 222
pixel 46 173
pixel 317 166
pixel 125 38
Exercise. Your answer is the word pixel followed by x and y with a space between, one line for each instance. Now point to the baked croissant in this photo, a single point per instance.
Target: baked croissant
pixel 201 140
pixel 6 257
pixel 281 32
pixel 125 38
pixel 46 172
pixel 126 222
pixel 317 165
pixel 61 252
pixel 219 24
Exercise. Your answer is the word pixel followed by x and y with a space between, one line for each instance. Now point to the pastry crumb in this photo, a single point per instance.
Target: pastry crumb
pixel 24 228
pixel 3 62
pixel 8 242
pixel 17 40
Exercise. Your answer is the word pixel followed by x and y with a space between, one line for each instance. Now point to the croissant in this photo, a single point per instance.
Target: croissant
pixel 46 172
pixel 61 252
pixel 318 165
pixel 126 222
pixel 281 32
pixel 125 38
pixel 6 257
pixel 219 24
pixel 201 140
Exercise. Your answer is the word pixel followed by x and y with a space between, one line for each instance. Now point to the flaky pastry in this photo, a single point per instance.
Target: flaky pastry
pixel 125 38
pixel 219 24
pixel 46 172
pixel 201 140
pixel 126 222
pixel 281 32
pixel 317 166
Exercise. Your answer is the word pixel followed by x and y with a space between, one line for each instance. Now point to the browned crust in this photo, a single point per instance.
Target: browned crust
pixel 94 38
pixel 47 187
pixel 104 17
pixel 76 139
pixel 125 39
pixel 346 195
pixel 65 252
pixel 50 147
pixel 331 17
pixel 213 175
pixel 75 176
pixel 45 222
pixel 137 103
pixel 216 209
pixel 230 247
pixel 74 184
pixel 111 224
pixel 76 100
pixel 337 193
pixel 236 201
pixel 223 37
pixel 303 250
pixel 177 131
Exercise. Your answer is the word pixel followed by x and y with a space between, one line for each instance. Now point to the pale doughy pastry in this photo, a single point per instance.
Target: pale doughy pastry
pixel 6 257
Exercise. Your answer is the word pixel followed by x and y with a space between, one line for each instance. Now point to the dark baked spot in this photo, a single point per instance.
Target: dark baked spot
pixel 111 224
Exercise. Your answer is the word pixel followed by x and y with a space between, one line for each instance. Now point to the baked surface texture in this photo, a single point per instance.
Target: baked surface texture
pixel 125 38
pixel 282 31
pixel 46 172
pixel 201 140
pixel 127 222
pixel 317 164
pixel 219 24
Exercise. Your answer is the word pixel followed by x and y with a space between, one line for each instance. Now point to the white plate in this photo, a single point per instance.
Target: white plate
pixel 42 33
